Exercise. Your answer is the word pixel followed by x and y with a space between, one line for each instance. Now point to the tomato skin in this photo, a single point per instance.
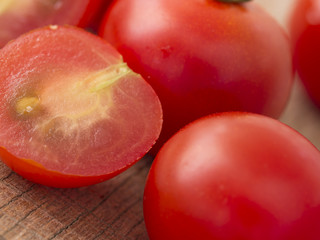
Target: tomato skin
pixel 71 112
pixel 203 57
pixel 93 7
pixel 305 33
pixel 234 176
pixel 94 14
pixel 36 173
pixel 31 14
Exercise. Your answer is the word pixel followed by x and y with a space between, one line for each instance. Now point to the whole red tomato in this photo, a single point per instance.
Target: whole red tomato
pixel 18 17
pixel 72 113
pixel 305 30
pixel 234 176
pixel 203 56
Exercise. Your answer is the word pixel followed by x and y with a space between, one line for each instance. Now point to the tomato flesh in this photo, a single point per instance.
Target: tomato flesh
pixel 234 176
pixel 70 105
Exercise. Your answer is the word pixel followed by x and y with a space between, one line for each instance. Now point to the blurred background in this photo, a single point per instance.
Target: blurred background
pixel 300 113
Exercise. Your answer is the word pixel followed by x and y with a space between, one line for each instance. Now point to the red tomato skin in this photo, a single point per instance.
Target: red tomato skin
pixel 94 14
pixel 36 173
pixel 305 33
pixel 234 176
pixel 93 7
pixel 203 57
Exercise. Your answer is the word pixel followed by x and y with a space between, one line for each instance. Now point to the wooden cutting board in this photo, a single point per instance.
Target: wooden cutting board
pixel 113 209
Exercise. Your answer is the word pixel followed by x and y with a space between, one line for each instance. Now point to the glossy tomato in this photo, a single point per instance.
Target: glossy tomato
pixel 305 30
pixel 71 112
pixel 94 14
pixel 234 176
pixel 17 17
pixel 203 56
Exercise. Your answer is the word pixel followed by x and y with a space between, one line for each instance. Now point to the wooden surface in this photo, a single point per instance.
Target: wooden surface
pixel 113 209
pixel 110 210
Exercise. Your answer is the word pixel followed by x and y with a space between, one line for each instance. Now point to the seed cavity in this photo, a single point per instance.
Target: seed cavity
pixel 27 105
pixel 66 110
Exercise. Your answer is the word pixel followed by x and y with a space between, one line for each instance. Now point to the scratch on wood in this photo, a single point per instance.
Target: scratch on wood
pixel 138 223
pixel 17 197
pixel 6 177
pixel 117 218
pixel 18 223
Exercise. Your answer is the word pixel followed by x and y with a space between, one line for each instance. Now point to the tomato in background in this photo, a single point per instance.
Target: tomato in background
pixel 305 32
pixel 18 17
pixel 71 111
pixel 95 13
pixel 234 176
pixel 203 56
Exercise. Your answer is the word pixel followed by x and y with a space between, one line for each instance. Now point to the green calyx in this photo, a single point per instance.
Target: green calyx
pixel 233 1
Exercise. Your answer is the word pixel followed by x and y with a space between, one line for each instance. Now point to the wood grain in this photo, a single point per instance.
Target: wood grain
pixel 113 209
pixel 110 210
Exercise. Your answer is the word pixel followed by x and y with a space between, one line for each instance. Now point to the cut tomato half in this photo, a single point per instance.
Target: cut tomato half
pixel 71 111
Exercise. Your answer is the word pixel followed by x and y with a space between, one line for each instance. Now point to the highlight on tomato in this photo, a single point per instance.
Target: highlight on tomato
pixel 305 33
pixel 72 113
pixel 203 56
pixel 20 16
pixel 234 176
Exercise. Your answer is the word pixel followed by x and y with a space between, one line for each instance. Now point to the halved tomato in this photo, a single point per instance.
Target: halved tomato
pixel 71 111
pixel 18 17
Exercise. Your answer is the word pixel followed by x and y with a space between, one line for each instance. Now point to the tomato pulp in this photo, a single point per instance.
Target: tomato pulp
pixel 234 176
pixel 18 17
pixel 305 32
pixel 203 56
pixel 71 111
